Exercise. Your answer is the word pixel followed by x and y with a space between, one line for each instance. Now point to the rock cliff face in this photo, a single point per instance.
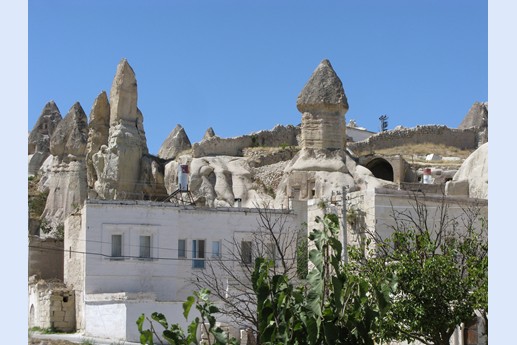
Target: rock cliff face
pixel 39 137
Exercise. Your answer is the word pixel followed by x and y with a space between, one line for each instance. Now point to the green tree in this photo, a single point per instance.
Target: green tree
pixel 441 266
pixel 334 307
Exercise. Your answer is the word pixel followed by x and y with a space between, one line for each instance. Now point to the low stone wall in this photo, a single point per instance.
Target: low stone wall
pixel 460 138
pixel 278 136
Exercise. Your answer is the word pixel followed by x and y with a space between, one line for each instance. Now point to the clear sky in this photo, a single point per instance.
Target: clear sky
pixel 238 66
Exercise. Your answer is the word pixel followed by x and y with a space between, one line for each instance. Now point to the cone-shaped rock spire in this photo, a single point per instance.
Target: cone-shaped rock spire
pixel 39 138
pixel 71 134
pixel 324 90
pixel 209 133
pixel 323 105
pixel 176 142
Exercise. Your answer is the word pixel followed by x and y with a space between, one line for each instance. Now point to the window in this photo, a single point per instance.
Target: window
pixel 198 253
pixel 182 248
pixel 116 246
pixel 246 252
pixel 145 247
pixel 216 249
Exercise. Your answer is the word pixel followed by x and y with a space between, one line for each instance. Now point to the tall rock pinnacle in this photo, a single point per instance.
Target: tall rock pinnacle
pixel 117 164
pixel 123 94
pixel 323 104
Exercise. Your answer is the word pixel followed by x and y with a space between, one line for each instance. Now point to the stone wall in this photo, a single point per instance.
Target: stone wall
pixel 46 258
pixel 278 136
pixel 51 305
pixel 460 138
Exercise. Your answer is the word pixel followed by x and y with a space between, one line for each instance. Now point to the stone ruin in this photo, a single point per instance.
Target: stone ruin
pixel 51 306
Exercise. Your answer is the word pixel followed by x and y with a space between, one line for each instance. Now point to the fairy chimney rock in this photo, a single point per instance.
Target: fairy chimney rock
pixel 209 134
pixel 39 138
pixel 71 134
pixel 176 142
pixel 123 94
pixel 323 104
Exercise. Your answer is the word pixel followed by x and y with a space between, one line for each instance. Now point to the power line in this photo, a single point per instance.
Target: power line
pixel 115 258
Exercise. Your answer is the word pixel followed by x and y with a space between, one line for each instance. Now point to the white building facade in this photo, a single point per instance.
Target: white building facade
pixel 125 258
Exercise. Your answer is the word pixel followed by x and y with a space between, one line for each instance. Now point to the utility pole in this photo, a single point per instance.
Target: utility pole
pixel 343 225
pixel 384 122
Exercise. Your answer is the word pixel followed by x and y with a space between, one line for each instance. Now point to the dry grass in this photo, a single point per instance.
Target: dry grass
pixel 410 151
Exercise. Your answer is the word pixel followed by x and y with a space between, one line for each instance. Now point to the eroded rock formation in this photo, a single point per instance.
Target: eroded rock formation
pixel 477 117
pixel 39 137
pixel 472 178
pixel 176 142
pixel 66 169
pixel 118 164
pixel 323 105
pixel 98 133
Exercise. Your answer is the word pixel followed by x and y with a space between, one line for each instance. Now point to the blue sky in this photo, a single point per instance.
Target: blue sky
pixel 238 66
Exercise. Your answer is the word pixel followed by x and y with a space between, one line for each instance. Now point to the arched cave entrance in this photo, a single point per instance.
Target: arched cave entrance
pixel 381 168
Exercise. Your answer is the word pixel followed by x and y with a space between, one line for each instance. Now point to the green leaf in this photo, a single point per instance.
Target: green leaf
pixel 187 305
pixel 160 318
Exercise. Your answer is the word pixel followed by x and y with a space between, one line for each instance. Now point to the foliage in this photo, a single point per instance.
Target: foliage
pixel 441 270
pixel 334 308
pixel 173 334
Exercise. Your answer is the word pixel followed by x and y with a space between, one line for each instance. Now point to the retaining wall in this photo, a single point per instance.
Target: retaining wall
pixel 460 138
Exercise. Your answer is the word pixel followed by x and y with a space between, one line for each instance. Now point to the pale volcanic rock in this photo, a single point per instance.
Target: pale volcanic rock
pixel 65 175
pixel 123 94
pixel 176 142
pixel 477 116
pixel 39 137
pixel 475 170
pixel 318 160
pixel 98 132
pixel 67 190
pixel 208 134
pixel 152 177
pixel 71 134
pixel 323 104
pixel 118 164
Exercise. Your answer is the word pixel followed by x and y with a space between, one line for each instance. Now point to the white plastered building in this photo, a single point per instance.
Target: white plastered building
pixel 125 258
